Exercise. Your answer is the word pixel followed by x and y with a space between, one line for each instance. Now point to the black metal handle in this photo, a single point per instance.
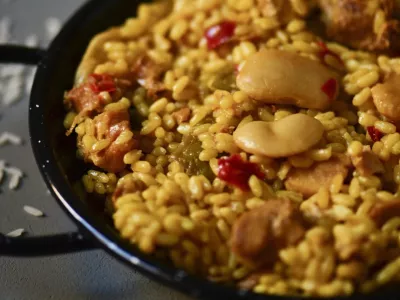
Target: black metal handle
pixel 21 54
pixel 42 245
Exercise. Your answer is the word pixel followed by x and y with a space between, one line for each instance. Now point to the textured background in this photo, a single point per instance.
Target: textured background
pixel 90 275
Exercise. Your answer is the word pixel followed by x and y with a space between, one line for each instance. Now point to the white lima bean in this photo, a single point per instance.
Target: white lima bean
pixel 280 77
pixel 291 135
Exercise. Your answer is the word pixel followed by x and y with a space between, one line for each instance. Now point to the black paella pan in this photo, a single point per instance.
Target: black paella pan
pixel 55 157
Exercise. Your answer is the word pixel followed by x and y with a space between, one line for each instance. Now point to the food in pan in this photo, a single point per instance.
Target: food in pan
pixel 251 142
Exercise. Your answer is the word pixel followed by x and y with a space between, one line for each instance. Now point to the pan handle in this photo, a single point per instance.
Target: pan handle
pixel 43 245
pixel 21 54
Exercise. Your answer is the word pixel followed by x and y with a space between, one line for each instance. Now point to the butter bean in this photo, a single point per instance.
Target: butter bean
pixel 280 77
pixel 289 136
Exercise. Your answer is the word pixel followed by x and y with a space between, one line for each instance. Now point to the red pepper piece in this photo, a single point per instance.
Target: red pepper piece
pixel 329 88
pixel 374 133
pixel 325 51
pixel 102 83
pixel 234 170
pixel 219 34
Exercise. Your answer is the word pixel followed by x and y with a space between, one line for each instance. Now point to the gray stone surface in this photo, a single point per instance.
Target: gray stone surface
pixel 90 275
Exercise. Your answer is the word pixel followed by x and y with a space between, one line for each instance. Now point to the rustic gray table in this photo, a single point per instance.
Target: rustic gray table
pixel 90 275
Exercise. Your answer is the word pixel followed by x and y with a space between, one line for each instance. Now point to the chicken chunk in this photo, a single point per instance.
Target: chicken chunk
pixel 384 211
pixel 110 125
pixel 259 234
pixel 354 22
pixel 386 97
pixel 367 163
pixel 147 73
pixel 84 99
pixel 308 181
pixel 87 97
pixel 182 115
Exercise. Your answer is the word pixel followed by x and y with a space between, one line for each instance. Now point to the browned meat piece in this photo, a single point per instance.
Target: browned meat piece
pixel 384 211
pixel 308 181
pixel 109 125
pixel 367 163
pixel 386 97
pixel 182 115
pixel 148 75
pixel 84 100
pixel 352 22
pixel 86 97
pixel 259 234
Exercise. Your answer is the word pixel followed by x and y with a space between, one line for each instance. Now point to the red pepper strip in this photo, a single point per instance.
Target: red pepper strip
pixel 219 34
pixel 236 171
pixel 374 133
pixel 329 88
pixel 102 83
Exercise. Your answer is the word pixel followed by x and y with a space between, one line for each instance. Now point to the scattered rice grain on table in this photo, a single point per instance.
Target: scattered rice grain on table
pixel 5 30
pixel 9 137
pixel 14 182
pixel 2 167
pixel 52 27
pixel 33 211
pixel 15 80
pixel 16 233
pixel 15 175
pixel 230 139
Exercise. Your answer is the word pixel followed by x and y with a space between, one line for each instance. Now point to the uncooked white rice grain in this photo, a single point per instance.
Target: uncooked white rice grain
pixel 14 171
pixel 5 30
pixel 11 71
pixel 1 89
pixel 33 211
pixel 53 26
pixel 2 167
pixel 12 90
pixel 16 233
pixel 14 182
pixel 16 175
pixel 32 40
pixel 30 76
pixel 8 137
